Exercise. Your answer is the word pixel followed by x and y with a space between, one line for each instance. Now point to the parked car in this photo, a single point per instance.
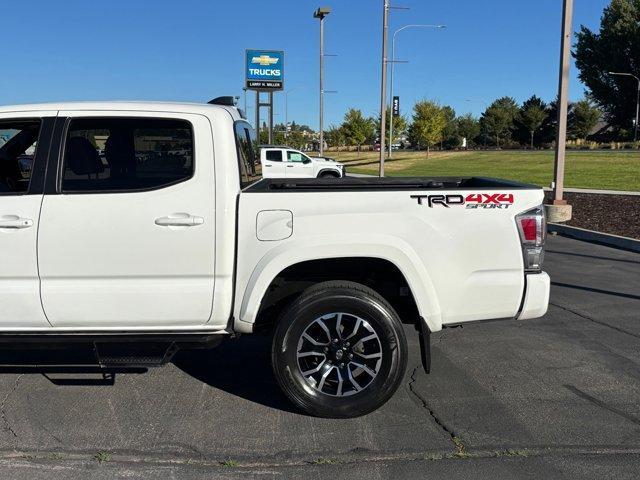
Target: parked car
pixel 285 162
pixel 141 259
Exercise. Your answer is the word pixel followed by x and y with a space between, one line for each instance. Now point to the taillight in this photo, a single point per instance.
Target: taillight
pixel 532 229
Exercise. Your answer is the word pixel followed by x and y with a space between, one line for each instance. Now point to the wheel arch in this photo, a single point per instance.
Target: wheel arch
pixel 323 258
pixel 333 171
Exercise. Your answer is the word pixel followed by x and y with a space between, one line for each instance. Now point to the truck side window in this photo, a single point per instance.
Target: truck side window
pixel 126 154
pixel 295 157
pixel 274 155
pixel 18 141
pixel 247 147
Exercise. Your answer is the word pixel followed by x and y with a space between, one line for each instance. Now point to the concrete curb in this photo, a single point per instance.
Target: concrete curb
pixel 596 192
pixel 615 241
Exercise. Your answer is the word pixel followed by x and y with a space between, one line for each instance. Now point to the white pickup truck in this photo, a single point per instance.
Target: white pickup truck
pixel 285 162
pixel 148 224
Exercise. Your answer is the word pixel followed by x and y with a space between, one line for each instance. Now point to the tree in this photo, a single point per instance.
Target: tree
pixel 335 136
pixel 428 124
pixel 584 117
pixel 296 139
pixel 498 119
pixel 468 127
pixel 400 126
pixel 531 116
pixel 615 48
pixel 358 129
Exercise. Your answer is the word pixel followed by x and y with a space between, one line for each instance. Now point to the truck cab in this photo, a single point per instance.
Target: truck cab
pixel 285 162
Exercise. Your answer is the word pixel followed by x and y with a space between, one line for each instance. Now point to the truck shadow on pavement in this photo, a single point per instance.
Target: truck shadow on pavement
pixel 74 365
pixel 241 367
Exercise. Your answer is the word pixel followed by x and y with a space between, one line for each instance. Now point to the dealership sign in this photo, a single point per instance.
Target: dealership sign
pixel 396 106
pixel 264 69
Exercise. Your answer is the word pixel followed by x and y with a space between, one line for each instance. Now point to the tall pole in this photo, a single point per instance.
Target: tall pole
pixel 563 95
pixel 320 13
pixel 383 84
pixel 286 114
pixel 321 126
pixel 393 67
pixel 270 118
pixel 258 114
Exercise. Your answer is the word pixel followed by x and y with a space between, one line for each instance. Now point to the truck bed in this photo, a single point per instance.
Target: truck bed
pixel 385 183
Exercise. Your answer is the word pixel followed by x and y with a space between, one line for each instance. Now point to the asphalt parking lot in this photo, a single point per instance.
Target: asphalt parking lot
pixel 557 397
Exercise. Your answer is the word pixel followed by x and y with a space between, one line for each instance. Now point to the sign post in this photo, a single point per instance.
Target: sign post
pixel 264 72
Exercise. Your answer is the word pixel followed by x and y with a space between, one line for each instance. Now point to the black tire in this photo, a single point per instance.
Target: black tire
pixel 328 175
pixel 354 302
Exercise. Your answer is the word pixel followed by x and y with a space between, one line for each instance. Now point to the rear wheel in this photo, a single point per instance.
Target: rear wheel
pixel 339 350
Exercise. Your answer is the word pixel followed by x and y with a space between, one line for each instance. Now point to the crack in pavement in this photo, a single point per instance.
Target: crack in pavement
pixel 3 414
pixel 459 446
pixel 604 324
pixel 601 404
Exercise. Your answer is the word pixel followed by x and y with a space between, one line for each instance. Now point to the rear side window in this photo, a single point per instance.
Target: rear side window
pixel 247 146
pixel 274 155
pixel 18 141
pixel 126 154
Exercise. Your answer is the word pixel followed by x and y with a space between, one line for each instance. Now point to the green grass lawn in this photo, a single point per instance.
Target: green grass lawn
pixel 615 170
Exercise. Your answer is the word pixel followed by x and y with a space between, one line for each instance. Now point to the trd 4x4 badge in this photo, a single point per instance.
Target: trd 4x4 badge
pixel 472 201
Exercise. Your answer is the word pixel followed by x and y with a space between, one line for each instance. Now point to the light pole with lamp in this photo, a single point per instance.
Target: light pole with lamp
pixel 635 130
pixel 393 64
pixel 320 13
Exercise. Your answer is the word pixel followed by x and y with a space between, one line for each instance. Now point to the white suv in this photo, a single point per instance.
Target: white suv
pixel 283 162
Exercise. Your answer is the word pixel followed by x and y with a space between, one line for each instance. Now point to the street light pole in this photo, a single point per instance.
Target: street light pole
pixel 383 83
pixel 636 126
pixel 393 66
pixel 320 13
pixel 286 111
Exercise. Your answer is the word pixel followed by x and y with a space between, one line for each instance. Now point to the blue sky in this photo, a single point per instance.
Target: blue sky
pixel 192 50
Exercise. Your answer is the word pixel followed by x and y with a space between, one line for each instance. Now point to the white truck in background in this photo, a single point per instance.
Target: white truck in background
pixel 285 162
pixel 146 227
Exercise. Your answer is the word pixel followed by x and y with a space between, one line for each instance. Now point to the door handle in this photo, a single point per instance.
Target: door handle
pixel 179 220
pixel 289 166
pixel 268 166
pixel 14 221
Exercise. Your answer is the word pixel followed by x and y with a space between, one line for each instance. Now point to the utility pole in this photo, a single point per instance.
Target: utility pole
pixel 563 98
pixel 560 211
pixel 383 84
pixel 320 13
pixel 270 118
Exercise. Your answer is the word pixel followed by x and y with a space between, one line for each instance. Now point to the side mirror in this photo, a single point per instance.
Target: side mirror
pixel 306 160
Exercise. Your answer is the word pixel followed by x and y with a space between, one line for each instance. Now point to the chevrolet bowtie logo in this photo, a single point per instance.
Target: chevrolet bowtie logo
pixel 264 60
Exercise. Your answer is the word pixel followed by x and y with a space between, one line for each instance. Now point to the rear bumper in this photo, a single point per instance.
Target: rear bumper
pixel 536 296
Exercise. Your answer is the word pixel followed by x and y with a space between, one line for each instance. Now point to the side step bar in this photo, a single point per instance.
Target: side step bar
pixel 109 355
